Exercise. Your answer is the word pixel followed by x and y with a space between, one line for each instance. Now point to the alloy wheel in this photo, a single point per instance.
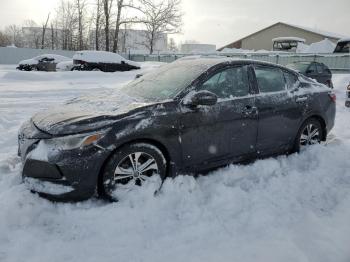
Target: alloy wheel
pixel 310 135
pixel 135 169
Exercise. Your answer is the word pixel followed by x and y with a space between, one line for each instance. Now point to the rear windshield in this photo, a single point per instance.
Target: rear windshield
pixel 301 67
pixel 342 47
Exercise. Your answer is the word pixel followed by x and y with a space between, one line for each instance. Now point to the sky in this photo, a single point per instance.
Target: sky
pixel 218 22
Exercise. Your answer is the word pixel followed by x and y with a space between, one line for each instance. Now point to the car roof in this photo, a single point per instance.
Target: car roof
pixel 216 61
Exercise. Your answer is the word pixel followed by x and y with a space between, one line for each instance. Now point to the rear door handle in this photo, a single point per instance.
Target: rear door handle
pixel 301 99
pixel 250 110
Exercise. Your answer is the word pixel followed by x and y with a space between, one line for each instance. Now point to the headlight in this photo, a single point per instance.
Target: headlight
pixel 73 141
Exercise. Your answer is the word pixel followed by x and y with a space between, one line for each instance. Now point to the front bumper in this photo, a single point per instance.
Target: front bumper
pixel 60 175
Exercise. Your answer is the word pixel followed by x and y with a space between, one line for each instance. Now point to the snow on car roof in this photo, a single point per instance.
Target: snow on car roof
pixel 288 38
pixel 58 58
pixel 317 31
pixel 101 57
pixel 344 40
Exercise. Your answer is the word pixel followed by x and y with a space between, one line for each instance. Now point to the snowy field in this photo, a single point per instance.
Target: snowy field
pixel 294 208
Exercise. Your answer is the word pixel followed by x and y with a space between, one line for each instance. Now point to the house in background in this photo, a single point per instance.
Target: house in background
pixel 262 39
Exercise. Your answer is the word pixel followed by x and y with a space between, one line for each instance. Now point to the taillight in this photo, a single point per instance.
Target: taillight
pixel 333 97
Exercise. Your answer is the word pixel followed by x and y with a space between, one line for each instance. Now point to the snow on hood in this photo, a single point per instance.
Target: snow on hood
pixel 102 57
pixel 31 61
pixel 86 113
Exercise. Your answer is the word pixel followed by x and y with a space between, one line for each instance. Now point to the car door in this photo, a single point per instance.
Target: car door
pixel 214 135
pixel 279 113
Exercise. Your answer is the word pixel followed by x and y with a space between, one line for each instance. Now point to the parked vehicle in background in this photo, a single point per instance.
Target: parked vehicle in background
pixel 46 62
pixel 65 66
pixel 315 70
pixel 343 46
pixel 347 101
pixel 287 44
pixel 188 116
pixel 102 61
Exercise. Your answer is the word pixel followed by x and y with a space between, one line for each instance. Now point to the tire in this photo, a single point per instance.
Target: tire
pixel 96 69
pixel 310 132
pixel 130 177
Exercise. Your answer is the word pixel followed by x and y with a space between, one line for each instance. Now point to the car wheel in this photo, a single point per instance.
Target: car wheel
pixel 130 167
pixel 96 69
pixel 310 133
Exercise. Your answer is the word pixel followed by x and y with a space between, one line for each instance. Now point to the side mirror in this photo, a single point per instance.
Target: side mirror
pixel 203 97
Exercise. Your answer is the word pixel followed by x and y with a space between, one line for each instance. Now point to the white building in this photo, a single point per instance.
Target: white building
pixel 131 40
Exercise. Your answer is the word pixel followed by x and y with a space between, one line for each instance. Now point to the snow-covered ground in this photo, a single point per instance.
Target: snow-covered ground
pixel 294 208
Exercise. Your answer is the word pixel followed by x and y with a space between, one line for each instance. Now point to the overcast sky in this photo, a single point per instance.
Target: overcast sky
pixel 218 21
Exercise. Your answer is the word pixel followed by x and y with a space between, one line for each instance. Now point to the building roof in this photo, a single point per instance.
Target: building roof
pixel 312 30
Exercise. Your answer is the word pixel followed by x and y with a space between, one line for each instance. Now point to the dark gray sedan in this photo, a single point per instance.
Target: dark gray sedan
pixel 189 116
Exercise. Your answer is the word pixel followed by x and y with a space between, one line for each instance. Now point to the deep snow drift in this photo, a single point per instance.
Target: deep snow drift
pixel 294 208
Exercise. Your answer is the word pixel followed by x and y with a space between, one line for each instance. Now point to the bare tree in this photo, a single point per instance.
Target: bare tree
pixel 15 34
pixel 160 18
pixel 107 10
pixel 32 34
pixel 80 7
pixel 117 25
pixel 98 23
pixel 67 22
pixel 172 45
pixel 4 39
pixel 44 31
pixel 121 5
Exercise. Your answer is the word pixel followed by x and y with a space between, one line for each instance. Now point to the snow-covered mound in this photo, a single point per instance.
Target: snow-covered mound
pixel 102 57
pixel 294 208
pixel 324 46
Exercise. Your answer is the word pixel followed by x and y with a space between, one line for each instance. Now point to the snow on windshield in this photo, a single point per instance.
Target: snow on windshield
pixel 168 80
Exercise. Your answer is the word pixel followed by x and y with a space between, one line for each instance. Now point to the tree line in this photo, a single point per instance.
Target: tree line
pixel 97 24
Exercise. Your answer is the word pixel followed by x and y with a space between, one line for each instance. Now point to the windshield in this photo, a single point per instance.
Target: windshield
pixel 167 81
pixel 301 67
pixel 342 47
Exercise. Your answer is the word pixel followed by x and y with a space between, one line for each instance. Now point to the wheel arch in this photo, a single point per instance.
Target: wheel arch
pixel 151 141
pixel 320 119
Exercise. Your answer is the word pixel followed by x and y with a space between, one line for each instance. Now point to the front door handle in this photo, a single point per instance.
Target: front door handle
pixel 250 110
pixel 300 99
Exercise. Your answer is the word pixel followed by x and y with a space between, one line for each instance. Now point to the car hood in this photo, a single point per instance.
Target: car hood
pixel 28 62
pixel 87 114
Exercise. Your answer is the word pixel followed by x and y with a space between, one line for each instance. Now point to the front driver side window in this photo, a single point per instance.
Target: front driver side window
pixel 229 83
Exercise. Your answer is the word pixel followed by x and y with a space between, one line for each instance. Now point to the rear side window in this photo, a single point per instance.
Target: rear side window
pixel 291 80
pixel 319 68
pixel 312 69
pixel 269 79
pixel 229 83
